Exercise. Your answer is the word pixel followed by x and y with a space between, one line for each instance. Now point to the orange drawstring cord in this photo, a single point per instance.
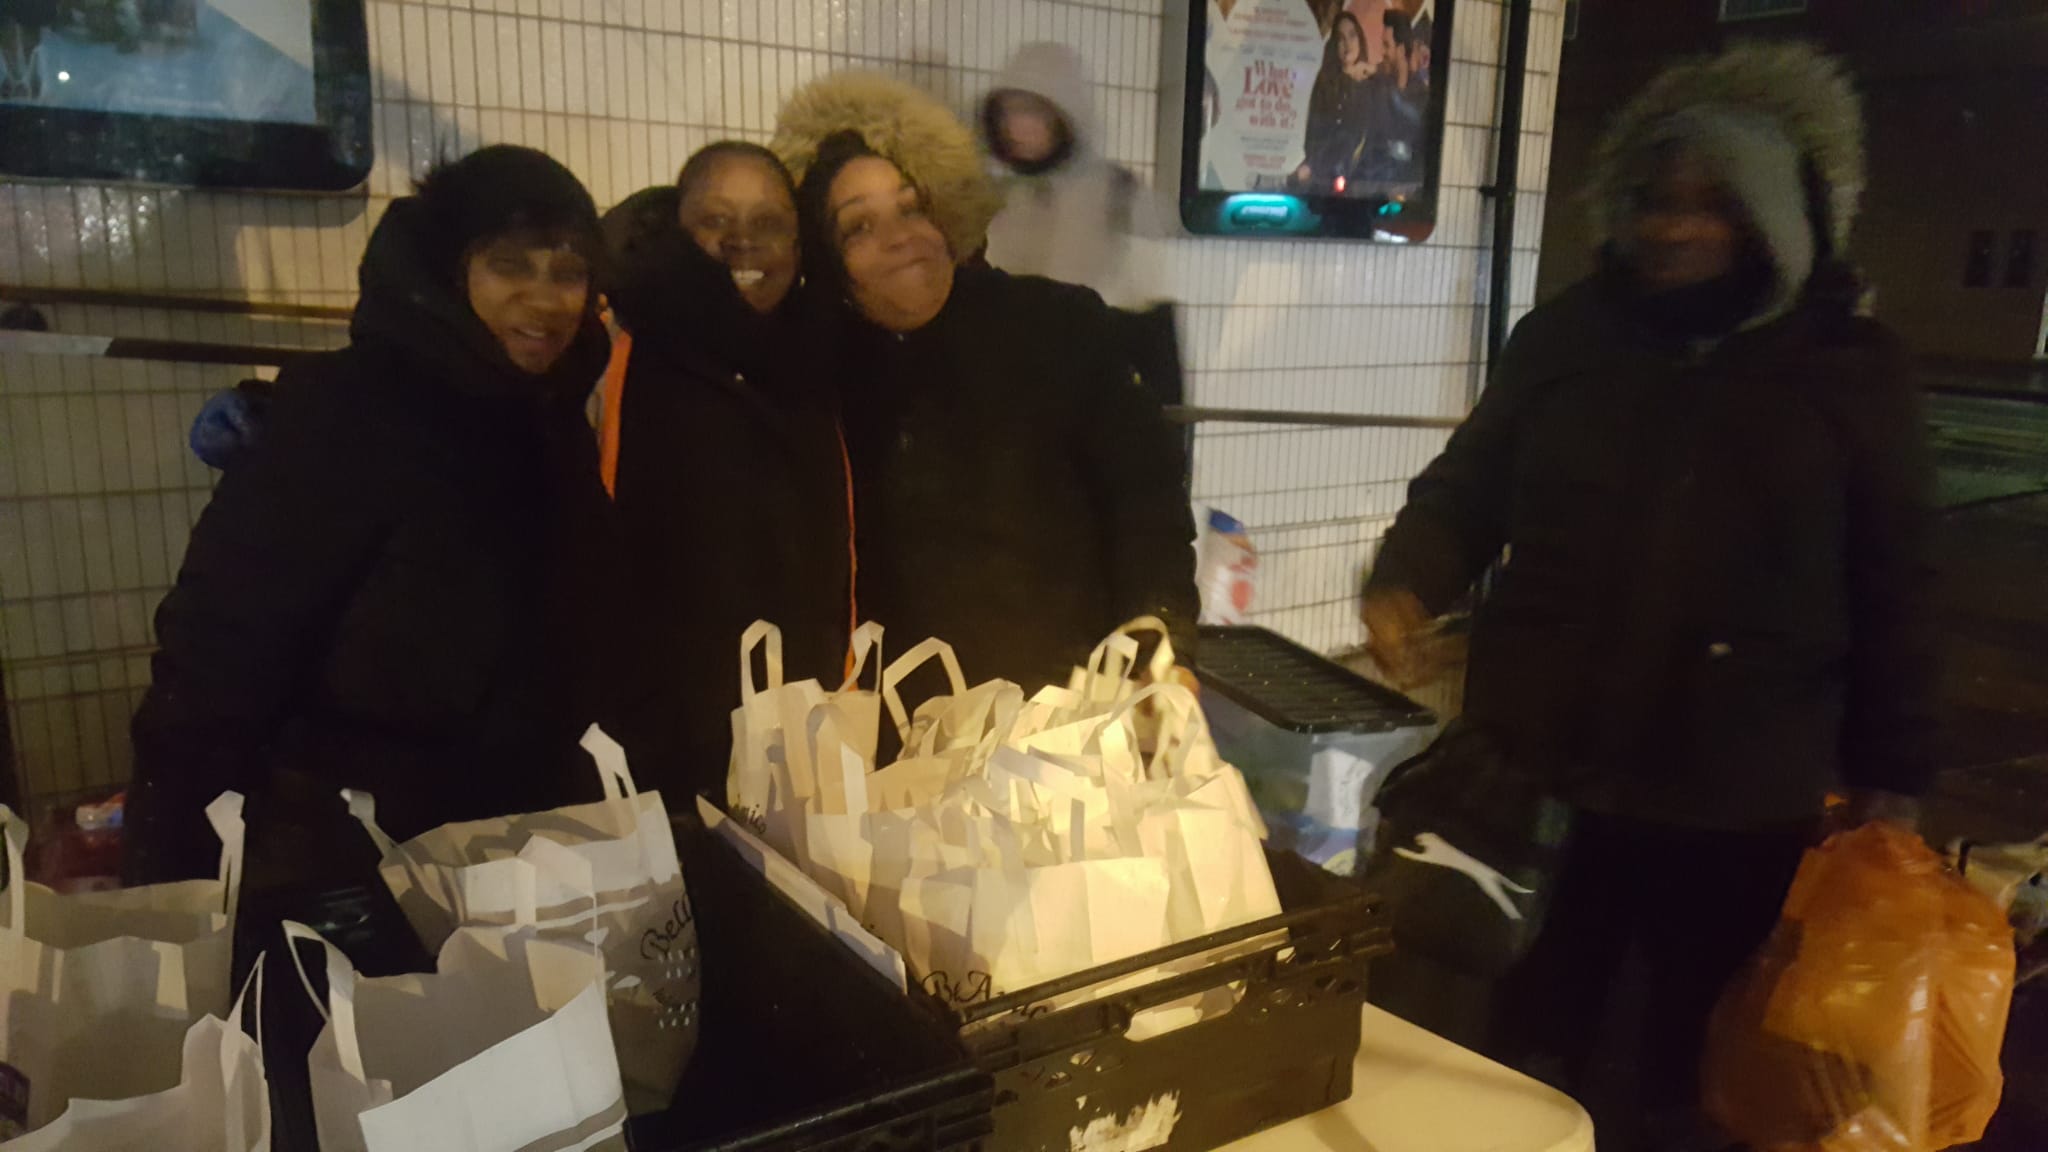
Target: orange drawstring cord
pixel 611 394
pixel 852 550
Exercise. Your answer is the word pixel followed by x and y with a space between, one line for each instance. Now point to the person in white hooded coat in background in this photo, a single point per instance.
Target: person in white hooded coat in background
pixel 1069 212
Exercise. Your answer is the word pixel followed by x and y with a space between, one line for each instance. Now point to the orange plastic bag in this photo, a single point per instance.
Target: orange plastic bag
pixel 1871 1020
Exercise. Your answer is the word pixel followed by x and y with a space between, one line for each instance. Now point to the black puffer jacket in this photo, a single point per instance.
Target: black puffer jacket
pixel 730 481
pixel 1020 494
pixel 1716 597
pixel 398 590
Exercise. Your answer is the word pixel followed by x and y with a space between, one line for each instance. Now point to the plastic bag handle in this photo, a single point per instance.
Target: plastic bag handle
pixel 16 832
pixel 339 1008
pixel 252 989
pixel 989 698
pixel 1118 644
pixel 363 807
pixel 909 662
pixel 1162 663
pixel 225 814
pixel 1047 708
pixel 612 770
pixel 866 639
pixel 758 632
pixel 1182 703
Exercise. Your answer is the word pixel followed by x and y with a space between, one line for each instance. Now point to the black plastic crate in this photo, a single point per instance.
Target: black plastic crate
pixel 1062 1058
pixel 1293 688
pixel 802 1045
pixel 1283 1051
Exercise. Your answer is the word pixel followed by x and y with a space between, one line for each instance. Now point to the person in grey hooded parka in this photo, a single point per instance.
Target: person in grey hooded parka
pixel 1069 212
pixel 1703 477
pixel 1072 214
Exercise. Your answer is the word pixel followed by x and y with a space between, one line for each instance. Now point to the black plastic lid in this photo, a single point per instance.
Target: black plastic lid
pixel 1291 687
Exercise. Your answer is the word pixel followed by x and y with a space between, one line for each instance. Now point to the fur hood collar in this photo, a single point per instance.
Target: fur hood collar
pixel 1800 91
pixel 912 130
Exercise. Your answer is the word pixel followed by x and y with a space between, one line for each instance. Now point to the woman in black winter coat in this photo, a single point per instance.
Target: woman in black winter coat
pixel 396 589
pixel 1705 479
pixel 1017 492
pixel 731 480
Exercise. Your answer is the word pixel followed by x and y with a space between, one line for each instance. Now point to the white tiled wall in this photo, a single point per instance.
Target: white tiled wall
pixel 98 490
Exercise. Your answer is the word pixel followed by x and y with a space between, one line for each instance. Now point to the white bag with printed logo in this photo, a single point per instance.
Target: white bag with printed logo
pixel 503 1048
pixel 221 1102
pixel 101 988
pixel 634 905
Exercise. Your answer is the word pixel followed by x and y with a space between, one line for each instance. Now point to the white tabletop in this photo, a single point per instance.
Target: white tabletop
pixel 1412 1091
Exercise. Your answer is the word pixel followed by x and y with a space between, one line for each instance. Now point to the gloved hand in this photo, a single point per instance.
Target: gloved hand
pixel 1399 631
pixel 229 424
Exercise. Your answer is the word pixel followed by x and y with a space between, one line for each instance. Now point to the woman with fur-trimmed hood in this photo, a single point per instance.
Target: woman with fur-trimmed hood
pixel 1017 492
pixel 1705 478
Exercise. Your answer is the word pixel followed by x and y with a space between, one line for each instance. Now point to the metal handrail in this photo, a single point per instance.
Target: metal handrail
pixel 1191 414
pixel 170 302
pixel 166 351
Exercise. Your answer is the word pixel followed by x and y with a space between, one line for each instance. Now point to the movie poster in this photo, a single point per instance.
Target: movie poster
pixel 249 60
pixel 1317 97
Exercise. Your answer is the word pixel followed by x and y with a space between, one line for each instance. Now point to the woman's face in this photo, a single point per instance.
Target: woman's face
pixel 741 214
pixel 1350 44
pixel 897 263
pixel 531 298
pixel 1684 231
pixel 1029 127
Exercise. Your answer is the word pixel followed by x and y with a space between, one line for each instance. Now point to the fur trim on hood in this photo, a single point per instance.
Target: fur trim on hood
pixel 907 127
pixel 1804 92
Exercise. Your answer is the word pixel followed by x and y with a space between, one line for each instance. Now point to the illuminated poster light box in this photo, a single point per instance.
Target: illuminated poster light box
pixel 207 93
pixel 1305 118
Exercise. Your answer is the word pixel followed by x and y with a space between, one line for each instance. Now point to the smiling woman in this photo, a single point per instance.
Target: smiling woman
pixel 730 480
pixel 532 296
pixel 898 270
pixel 738 204
pixel 396 589
pixel 1018 492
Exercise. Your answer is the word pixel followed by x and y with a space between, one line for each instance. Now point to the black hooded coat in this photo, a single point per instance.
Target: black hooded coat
pixel 409 587
pixel 731 484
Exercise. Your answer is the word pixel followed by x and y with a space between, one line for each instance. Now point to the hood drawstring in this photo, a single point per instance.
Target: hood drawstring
pixel 611 394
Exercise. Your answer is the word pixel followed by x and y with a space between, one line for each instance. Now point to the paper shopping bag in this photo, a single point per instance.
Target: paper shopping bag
pixel 987 931
pixel 100 988
pixel 504 1048
pixel 631 901
pixel 221 1102
pixel 770 783
pixel 769 777
pixel 1201 825
pixel 1218 869
pixel 845 727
